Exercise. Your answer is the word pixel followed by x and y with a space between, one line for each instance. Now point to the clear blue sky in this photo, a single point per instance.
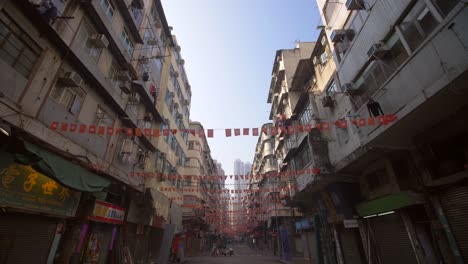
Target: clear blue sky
pixel 229 48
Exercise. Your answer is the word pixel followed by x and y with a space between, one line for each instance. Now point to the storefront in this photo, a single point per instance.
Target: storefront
pixel 385 225
pixel 103 228
pixel 137 225
pixel 35 209
pixel 305 227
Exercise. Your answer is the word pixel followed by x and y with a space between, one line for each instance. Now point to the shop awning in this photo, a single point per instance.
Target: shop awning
pixel 66 172
pixel 389 203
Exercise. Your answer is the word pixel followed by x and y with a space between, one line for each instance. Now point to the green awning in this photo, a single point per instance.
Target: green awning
pixel 389 203
pixel 66 172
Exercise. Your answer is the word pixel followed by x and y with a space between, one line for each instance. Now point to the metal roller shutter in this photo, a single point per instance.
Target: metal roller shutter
pixel 393 242
pixel 454 202
pixel 25 239
pixel 350 246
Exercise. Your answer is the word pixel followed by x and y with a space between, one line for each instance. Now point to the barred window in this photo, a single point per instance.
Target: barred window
pixel 307 113
pixel 17 49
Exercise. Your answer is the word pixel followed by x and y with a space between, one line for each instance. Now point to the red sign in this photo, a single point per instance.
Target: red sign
pixel 107 212
pixel 274 234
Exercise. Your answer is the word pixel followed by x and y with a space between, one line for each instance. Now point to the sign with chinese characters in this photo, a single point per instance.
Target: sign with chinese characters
pixel 353 223
pixel 23 187
pixel 107 212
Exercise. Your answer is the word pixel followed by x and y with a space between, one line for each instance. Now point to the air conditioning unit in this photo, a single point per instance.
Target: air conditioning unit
pixel 171 94
pixel 123 75
pixel 134 98
pixel 176 105
pixel 152 42
pixel 182 62
pixel 176 74
pixel 166 121
pixel 124 88
pixel 349 88
pixel 355 5
pixel 338 35
pixel 179 115
pixel 186 102
pixel 70 79
pixel 99 40
pixel 157 23
pixel 148 117
pixel 127 146
pixel 327 101
pixel 315 60
pixel 178 48
pixel 144 60
pixel 377 51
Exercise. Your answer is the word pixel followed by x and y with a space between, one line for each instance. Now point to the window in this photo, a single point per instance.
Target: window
pixel 92 51
pixel 303 156
pixel 377 179
pixel 103 118
pixel 418 24
pixel 169 99
pixel 378 71
pixel 113 71
pixel 190 145
pixel 16 48
pixel 324 57
pixel 445 6
pixel 70 97
pixel 127 42
pixel 108 8
pixel 307 113
pixel 332 88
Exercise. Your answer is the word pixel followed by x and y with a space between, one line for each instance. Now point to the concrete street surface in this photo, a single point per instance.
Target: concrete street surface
pixel 242 255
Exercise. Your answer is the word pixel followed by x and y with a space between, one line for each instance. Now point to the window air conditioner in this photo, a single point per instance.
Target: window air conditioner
pixel 148 117
pixel 348 88
pixel 157 23
pixel 186 102
pixel 152 42
pixel 166 121
pixel 144 60
pixel 134 98
pixel 377 51
pixel 178 48
pixel 338 35
pixel 123 75
pixel 127 146
pixel 182 62
pixel 70 79
pixel 355 5
pixel 327 101
pixel 315 60
pixel 124 88
pixel 176 74
pixel 99 40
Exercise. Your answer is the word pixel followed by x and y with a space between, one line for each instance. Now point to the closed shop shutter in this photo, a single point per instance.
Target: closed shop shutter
pixel 350 246
pixel 392 239
pixel 454 202
pixel 25 239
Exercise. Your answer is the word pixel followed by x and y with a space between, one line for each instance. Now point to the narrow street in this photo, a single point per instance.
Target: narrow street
pixel 242 254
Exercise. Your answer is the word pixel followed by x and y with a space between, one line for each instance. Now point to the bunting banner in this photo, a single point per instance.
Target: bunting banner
pixel 300 128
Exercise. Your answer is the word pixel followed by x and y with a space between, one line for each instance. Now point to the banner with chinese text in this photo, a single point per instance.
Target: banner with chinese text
pixel 23 187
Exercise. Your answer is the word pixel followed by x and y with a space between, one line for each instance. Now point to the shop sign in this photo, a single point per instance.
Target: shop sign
pixel 23 187
pixel 353 223
pixel 107 212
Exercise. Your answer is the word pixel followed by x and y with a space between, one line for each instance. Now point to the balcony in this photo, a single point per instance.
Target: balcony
pixel 132 10
pixel 303 78
pixel 104 25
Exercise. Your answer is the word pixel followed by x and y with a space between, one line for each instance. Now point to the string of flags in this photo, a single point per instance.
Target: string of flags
pixel 220 191
pixel 229 132
pixel 161 176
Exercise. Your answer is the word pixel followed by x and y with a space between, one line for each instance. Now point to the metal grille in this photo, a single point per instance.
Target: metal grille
pixel 394 245
pixel 350 246
pixel 25 240
pixel 454 202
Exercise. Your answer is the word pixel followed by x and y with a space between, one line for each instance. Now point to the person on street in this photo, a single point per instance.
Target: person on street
pixel 175 248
